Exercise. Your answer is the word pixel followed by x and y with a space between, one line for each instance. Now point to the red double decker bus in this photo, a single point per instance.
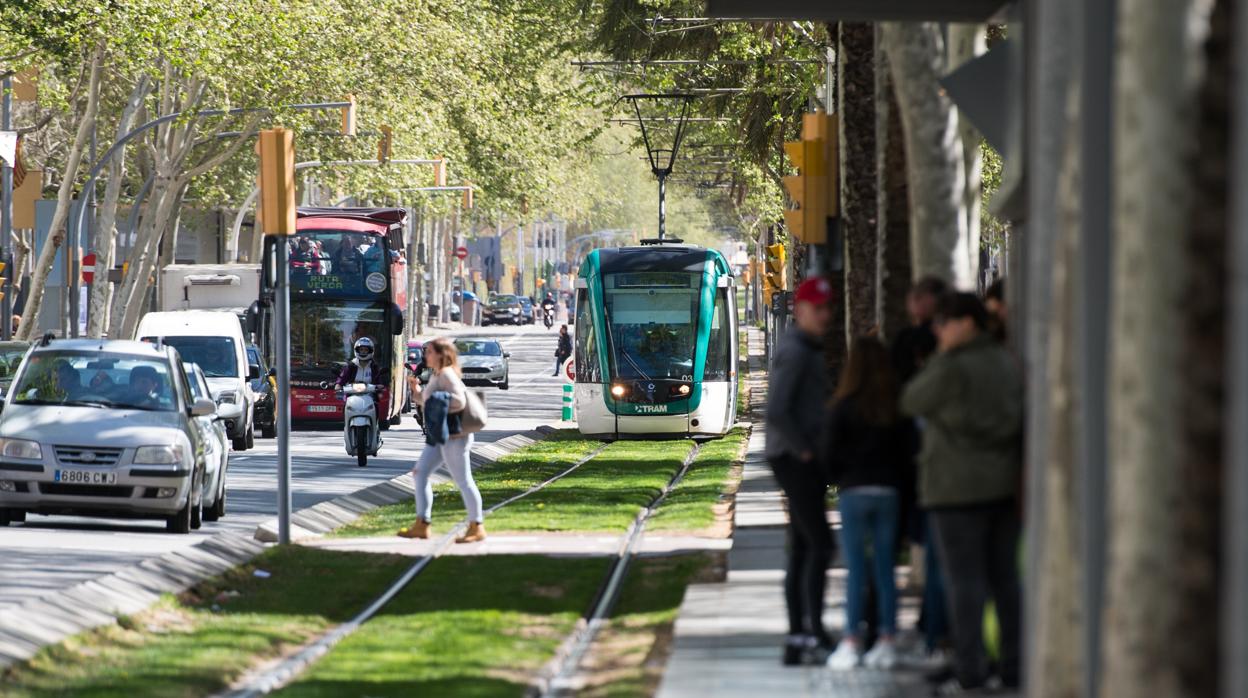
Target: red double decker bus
pixel 348 280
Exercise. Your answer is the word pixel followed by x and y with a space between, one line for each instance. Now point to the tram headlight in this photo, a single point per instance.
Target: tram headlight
pixel 683 390
pixel 617 391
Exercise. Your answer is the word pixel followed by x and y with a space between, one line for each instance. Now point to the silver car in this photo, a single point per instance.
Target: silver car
pixel 216 443
pixel 484 362
pixel 103 428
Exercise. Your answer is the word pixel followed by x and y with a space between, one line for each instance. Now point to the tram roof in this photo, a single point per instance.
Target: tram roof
pixel 690 258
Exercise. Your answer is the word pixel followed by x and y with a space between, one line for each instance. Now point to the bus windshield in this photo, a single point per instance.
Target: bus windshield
pixel 652 324
pixel 322 334
pixel 337 262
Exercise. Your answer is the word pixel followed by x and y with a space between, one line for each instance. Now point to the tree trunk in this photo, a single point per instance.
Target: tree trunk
pixel 1204 367
pixel 56 232
pixel 934 154
pixel 1058 659
pixel 856 98
pixel 106 232
pixel 1160 66
pixel 966 41
pixel 893 206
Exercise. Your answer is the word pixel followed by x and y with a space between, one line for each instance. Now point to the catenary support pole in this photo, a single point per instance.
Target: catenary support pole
pixel 6 219
pixel 662 206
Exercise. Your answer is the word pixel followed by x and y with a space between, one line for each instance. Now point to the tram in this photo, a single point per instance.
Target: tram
pixel 656 343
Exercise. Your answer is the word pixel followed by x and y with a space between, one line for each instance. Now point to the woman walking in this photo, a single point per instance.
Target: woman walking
pixel 442 400
pixel 867 451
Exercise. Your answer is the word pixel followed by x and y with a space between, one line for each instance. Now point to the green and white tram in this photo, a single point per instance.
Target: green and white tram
pixel 656 343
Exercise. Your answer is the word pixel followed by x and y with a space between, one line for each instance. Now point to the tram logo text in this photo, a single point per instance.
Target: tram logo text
pixel 652 409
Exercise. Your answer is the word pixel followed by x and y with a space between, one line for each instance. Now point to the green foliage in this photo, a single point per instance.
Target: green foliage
pixel 993 230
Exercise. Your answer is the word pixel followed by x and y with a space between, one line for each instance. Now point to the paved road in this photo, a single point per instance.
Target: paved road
pixel 49 553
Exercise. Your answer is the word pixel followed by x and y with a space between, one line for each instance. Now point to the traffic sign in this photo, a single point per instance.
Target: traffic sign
pixel 88 267
pixel 569 369
pixel 461 252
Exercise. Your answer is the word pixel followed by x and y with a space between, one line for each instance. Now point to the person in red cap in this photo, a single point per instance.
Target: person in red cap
pixel 798 392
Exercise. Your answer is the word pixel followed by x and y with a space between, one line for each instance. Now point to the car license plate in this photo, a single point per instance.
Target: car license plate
pixel 85 477
pixel 322 408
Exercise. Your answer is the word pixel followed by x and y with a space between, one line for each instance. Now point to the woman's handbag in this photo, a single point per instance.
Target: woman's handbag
pixel 474 416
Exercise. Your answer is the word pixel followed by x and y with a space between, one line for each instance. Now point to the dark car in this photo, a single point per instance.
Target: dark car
pixel 265 388
pixel 526 310
pixel 504 308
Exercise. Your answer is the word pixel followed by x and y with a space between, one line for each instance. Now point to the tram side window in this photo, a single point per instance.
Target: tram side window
pixel 719 348
pixel 588 369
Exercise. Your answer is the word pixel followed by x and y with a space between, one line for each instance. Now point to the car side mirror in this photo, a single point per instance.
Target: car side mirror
pixel 272 373
pixel 253 372
pixel 506 355
pixel 203 407
pixel 396 319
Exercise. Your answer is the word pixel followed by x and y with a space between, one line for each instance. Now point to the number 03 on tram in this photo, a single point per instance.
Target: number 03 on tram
pixel 656 342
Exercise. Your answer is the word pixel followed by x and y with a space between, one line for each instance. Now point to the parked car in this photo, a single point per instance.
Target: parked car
pixel 214 340
pixel 216 445
pixel 11 355
pixel 103 428
pixel 264 389
pixel 503 309
pixel 527 310
pixel 484 363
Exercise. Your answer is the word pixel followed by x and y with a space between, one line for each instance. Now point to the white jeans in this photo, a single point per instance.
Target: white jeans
pixel 455 455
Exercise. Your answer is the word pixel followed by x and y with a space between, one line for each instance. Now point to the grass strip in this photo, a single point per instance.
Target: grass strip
pixel 200 642
pixel 468 626
pixel 510 476
pixel 700 500
pixel 628 658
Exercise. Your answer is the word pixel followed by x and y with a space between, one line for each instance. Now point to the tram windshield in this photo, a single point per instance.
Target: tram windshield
pixel 652 324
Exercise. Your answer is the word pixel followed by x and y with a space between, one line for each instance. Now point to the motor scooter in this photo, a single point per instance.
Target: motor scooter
pixel 361 431
pixel 548 316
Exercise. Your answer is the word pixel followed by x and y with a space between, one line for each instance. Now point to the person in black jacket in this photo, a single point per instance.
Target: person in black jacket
pixel 796 396
pixel 565 348
pixel 867 447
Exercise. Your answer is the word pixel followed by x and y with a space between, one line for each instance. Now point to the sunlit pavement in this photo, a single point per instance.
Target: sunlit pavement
pixel 51 553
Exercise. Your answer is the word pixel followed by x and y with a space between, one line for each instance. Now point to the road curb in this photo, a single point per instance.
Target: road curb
pixel 49 619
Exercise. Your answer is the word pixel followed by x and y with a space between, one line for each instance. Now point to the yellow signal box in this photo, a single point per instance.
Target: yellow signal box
pixel 386 144
pixel 348 117
pixel 775 276
pixel 468 202
pixel 276 147
pixel 813 189
pixel 439 173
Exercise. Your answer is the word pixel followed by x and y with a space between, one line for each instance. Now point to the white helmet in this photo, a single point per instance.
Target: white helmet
pixel 364 349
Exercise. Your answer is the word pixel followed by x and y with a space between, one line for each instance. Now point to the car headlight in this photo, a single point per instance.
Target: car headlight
pixel 227 397
pixel 20 448
pixel 160 455
pixel 515 311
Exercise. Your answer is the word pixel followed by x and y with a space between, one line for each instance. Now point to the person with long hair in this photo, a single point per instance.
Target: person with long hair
pixel 442 358
pixel 867 447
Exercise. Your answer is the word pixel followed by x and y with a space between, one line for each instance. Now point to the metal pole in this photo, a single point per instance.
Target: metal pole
pixel 281 338
pixel 6 219
pixel 518 287
pixel 662 206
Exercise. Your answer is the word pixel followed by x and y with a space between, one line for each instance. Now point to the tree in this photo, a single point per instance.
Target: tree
pixel 856 84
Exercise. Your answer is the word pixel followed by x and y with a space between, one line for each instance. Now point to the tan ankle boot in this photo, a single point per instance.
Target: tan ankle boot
pixel 419 529
pixel 476 532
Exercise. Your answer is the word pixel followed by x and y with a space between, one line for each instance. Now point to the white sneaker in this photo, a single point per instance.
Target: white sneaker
pixel 881 656
pixel 846 657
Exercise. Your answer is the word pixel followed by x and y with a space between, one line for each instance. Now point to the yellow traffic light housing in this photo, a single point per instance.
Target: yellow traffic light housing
pixel 468 202
pixel 348 117
pixel 813 189
pixel 276 148
pixel 439 173
pixel 775 277
pixel 386 144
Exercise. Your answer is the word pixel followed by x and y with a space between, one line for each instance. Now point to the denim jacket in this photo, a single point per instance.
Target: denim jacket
pixel 440 424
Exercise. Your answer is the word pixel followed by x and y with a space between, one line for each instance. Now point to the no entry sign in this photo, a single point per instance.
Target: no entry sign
pixel 461 252
pixel 88 267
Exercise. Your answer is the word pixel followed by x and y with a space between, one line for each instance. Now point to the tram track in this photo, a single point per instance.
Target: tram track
pixel 278 675
pixel 560 677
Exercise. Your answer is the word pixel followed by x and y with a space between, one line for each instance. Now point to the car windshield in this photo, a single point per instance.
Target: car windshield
pixel 10 359
pixel 651 320
pixel 468 347
pixel 503 301
pixel 215 355
pixel 96 379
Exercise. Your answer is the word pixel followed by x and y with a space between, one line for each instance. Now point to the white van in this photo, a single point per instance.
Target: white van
pixel 213 339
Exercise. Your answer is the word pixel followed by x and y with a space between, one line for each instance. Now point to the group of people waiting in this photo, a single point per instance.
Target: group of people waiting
pixel 920 441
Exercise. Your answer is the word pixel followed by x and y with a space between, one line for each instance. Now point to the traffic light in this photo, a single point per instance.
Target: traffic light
pixel 276 148
pixel 774 277
pixel 813 189
pixel 3 267
pixel 468 195
pixel 385 144
pixel 439 173
pixel 348 117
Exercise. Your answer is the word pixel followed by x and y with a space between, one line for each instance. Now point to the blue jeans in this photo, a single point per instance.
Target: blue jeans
pixel 455 454
pixel 870 516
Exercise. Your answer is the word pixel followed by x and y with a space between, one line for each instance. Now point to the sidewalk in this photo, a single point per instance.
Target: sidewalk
pixel 729 635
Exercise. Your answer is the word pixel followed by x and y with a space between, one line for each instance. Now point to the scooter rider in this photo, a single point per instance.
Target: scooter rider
pixel 548 306
pixel 363 369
